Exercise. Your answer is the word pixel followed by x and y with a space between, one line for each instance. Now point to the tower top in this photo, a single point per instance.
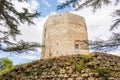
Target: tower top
pixel 65 14
pixel 64 18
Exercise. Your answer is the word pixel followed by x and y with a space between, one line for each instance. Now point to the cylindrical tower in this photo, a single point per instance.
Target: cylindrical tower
pixel 64 34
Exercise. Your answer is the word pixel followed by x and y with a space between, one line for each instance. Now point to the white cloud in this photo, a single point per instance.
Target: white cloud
pixel 31 6
pixel 29 57
pixel 52 13
pixel 98 23
pixel 46 3
pixel 19 6
pixel 34 5
pixel 32 56
pixel 32 32
pixel 61 1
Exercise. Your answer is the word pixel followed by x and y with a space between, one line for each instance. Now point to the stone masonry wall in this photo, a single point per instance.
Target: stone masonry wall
pixel 96 66
pixel 60 34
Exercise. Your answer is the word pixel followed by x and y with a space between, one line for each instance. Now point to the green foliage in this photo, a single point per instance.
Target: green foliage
pixel 79 67
pixel 23 46
pixel 71 60
pixel 5 65
pixel 78 4
pixel 102 71
pixel 48 70
pixel 66 4
pixel 86 58
pixel 11 18
pixel 57 72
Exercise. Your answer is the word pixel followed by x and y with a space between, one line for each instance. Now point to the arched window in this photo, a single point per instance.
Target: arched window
pixel 76 47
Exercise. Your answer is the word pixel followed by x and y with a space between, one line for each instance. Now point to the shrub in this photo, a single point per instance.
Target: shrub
pixel 6 65
pixel 71 60
pixel 79 67
pixel 102 71
pixel 86 58
pixel 57 72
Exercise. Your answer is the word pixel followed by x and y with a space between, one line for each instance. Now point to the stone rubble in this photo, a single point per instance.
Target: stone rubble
pixel 100 66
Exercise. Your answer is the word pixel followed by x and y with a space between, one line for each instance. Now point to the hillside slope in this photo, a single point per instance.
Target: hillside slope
pixel 96 66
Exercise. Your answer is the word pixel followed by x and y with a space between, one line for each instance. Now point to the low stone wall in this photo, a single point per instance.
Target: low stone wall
pixel 96 66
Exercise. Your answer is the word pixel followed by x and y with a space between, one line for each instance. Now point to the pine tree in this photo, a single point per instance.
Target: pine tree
pixel 11 18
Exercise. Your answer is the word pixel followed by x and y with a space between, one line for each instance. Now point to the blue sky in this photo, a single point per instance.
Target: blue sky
pixel 97 24
pixel 20 58
pixel 48 6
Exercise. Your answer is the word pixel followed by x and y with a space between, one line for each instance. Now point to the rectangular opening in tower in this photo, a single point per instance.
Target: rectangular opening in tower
pixel 76 47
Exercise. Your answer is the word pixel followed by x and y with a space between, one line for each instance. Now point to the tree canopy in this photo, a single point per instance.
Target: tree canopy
pixel 5 65
pixel 10 18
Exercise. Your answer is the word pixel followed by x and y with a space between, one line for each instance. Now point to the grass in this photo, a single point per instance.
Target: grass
pixel 79 67
pixel 86 58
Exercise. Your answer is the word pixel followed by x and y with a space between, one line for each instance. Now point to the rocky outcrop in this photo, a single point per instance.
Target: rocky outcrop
pixel 96 66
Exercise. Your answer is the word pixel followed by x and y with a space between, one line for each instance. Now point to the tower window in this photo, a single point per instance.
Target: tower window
pixel 76 47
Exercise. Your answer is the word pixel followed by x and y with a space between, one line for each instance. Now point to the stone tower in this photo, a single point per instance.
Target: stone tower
pixel 64 34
